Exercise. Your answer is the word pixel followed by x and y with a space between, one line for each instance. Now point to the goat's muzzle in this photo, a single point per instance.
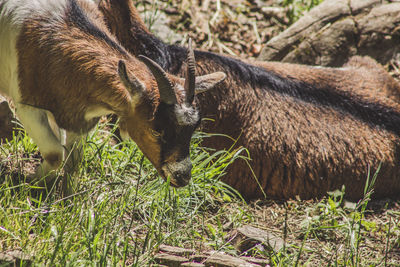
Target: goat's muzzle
pixel 179 172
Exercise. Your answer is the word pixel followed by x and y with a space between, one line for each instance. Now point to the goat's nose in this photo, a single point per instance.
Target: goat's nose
pixel 179 172
pixel 181 178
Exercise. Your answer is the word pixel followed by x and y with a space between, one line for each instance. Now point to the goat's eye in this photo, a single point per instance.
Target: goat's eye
pixel 155 133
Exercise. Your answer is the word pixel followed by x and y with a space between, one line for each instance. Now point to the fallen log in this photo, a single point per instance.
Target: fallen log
pixel 335 30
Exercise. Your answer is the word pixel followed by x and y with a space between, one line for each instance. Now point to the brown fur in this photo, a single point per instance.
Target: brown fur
pixel 297 148
pixel 301 149
pixel 70 66
pixel 360 75
pixel 98 79
pixel 89 63
pixel 141 133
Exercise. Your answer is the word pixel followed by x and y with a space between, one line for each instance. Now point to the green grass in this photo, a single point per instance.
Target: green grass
pixel 123 211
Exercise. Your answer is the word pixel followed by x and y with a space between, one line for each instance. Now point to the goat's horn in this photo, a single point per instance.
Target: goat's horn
pixel 190 79
pixel 167 92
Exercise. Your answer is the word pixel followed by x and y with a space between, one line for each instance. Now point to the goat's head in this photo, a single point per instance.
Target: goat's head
pixel 163 133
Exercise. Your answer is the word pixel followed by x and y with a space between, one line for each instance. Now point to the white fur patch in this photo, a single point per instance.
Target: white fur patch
pixel 95 1
pixel 95 112
pixel 8 60
pixel 37 126
pixel 124 134
pixel 13 13
pixel 20 10
pixel 186 115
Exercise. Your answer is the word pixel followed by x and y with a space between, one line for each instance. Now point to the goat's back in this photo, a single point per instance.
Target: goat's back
pixel 335 127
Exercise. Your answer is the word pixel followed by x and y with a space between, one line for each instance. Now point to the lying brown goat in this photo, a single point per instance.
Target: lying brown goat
pixel 57 57
pixel 309 130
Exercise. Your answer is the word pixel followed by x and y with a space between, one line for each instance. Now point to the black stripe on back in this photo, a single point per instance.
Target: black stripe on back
pixel 260 79
pixel 371 112
pixel 78 18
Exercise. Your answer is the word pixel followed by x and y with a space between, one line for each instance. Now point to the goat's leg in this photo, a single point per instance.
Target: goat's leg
pixel 74 150
pixel 37 126
pixel 74 144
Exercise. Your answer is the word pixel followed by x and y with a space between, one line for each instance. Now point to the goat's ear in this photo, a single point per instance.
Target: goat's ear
pixel 209 81
pixel 131 83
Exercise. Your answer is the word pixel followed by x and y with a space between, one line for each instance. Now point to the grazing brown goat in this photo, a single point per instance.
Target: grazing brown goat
pixel 309 130
pixel 57 57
